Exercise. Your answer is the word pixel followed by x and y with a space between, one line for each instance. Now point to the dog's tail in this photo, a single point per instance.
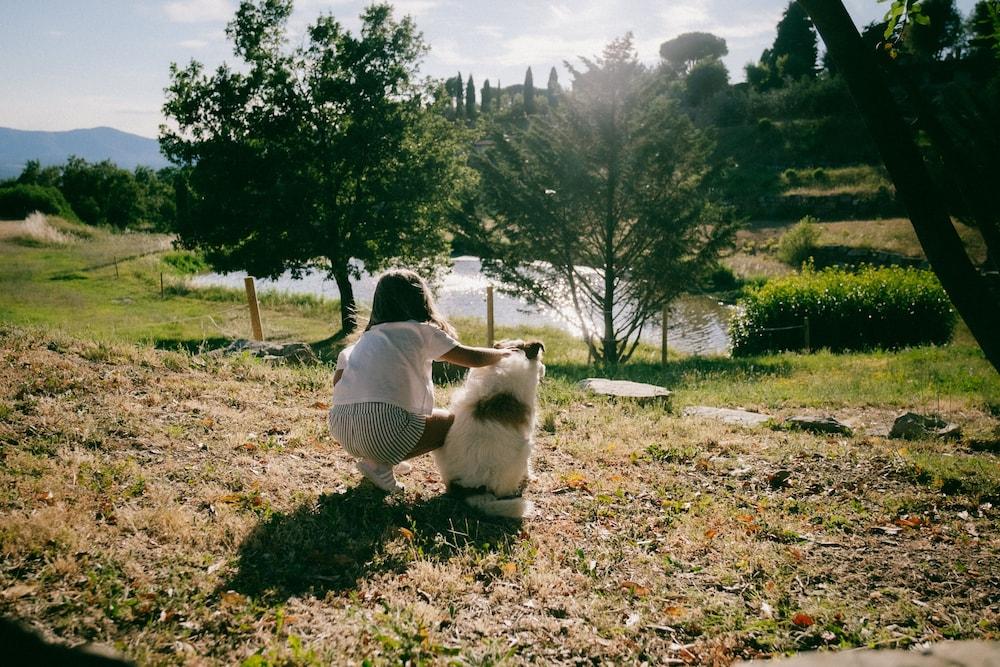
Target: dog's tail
pixel 513 508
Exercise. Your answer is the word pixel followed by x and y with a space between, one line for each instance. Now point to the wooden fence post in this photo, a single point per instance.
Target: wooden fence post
pixel 663 336
pixel 258 332
pixel 489 316
pixel 805 332
pixel 115 259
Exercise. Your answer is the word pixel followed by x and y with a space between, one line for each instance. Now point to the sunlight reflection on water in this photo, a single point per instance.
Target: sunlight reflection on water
pixel 698 324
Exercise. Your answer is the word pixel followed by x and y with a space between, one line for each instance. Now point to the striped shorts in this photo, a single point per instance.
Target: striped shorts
pixel 381 432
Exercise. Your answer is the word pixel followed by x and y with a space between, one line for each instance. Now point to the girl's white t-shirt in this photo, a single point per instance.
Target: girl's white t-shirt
pixel 391 363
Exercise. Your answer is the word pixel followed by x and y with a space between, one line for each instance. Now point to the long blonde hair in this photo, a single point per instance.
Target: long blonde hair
pixel 402 295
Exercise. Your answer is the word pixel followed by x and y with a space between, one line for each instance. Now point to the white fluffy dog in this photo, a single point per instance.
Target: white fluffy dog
pixel 484 459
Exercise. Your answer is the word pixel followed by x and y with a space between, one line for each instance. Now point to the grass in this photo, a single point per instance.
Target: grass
pixel 192 509
pixel 825 181
pixel 107 285
pixel 178 506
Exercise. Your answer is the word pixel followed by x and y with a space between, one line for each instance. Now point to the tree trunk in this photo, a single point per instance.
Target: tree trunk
pixel 967 289
pixel 348 309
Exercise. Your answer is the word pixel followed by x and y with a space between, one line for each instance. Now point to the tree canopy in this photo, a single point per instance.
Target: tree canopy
pixel 320 155
pixel 602 203
pixel 683 52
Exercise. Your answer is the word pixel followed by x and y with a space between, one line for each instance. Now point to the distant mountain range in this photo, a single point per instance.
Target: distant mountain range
pixel 100 143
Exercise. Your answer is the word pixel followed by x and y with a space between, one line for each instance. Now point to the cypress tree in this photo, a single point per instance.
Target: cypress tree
pixel 794 52
pixel 459 105
pixel 552 90
pixel 486 97
pixel 470 99
pixel 529 93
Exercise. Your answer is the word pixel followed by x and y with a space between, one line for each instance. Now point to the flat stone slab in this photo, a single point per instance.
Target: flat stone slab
pixel 943 654
pixel 912 426
pixel 637 391
pixel 727 415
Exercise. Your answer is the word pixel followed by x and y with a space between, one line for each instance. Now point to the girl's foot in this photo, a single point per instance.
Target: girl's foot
pixel 402 468
pixel 380 475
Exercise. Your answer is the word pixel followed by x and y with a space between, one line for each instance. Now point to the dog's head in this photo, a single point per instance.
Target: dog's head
pixel 532 349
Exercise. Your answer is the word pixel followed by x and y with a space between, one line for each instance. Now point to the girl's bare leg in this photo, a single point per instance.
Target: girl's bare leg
pixel 434 433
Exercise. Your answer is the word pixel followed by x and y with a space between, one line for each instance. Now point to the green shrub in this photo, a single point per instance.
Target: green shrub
pixel 799 243
pixel 871 308
pixel 18 201
pixel 819 175
pixel 186 262
pixel 791 177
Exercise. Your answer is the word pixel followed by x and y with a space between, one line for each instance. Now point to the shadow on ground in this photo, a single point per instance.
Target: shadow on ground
pixel 331 542
pixel 677 374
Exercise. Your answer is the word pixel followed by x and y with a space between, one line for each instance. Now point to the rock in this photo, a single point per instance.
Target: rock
pixel 640 392
pixel 818 424
pixel 911 426
pixel 727 415
pixel 779 479
pixel 299 353
pixel 943 654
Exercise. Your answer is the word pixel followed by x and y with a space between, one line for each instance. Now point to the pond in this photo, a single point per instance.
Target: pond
pixel 697 324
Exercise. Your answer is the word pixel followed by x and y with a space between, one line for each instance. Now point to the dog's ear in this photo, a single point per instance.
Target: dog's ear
pixel 532 349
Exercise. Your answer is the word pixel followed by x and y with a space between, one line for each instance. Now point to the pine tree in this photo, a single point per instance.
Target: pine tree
pixel 499 96
pixel 470 99
pixel 529 93
pixel 552 90
pixel 459 105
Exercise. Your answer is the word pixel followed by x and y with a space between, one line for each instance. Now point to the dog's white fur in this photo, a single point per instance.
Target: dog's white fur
pixel 490 453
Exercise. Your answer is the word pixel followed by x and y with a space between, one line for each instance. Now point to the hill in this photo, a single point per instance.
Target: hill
pixel 95 144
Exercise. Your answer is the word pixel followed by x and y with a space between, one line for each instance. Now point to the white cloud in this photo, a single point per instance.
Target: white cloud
pixel 681 17
pixel 193 43
pixel 415 8
pixel 199 11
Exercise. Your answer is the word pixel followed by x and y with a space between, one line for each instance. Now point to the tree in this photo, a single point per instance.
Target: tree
pixel 101 193
pixel 681 53
pixel 552 89
pixel 969 292
pixel 984 31
pixel 470 100
pixel 795 51
pixel 529 93
pixel 317 156
pixel 459 102
pixel 938 33
pixel 486 97
pixel 705 80
pixel 602 203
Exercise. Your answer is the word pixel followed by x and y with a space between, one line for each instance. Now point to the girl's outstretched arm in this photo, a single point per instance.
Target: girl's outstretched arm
pixel 474 357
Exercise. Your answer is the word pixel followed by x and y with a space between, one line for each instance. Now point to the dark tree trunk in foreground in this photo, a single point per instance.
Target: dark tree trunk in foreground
pixel 348 309
pixel 966 287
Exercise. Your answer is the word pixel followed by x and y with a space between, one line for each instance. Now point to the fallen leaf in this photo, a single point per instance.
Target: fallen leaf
pixel 18 591
pixel 575 480
pixel 508 569
pixel 711 533
pixel 406 533
pixel 745 518
pixel 970 528
pixel 766 610
pixel 674 611
pixel 320 405
pixel 46 497
pixel 635 589
pixel 779 479
pixel 803 620
pixel 632 620
pixel 910 521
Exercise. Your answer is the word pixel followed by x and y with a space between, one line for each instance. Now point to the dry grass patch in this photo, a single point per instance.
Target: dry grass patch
pixel 194 511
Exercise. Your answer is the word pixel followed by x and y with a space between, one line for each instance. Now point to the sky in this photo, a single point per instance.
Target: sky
pixel 67 64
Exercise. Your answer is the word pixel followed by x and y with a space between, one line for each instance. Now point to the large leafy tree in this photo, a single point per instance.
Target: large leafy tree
pixel 601 204
pixel 686 50
pixel 312 156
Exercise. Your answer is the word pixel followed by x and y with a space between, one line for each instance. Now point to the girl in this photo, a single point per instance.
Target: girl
pixel 383 399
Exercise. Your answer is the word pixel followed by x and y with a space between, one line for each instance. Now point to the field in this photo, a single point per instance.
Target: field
pixel 191 509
